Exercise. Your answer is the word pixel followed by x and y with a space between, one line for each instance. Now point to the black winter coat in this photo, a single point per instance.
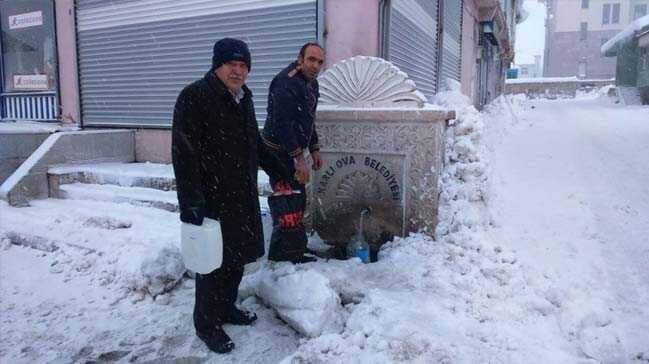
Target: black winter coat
pixel 292 103
pixel 216 152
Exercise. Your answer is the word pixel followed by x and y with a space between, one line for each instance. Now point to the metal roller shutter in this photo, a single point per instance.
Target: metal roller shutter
pixel 136 55
pixel 412 41
pixel 451 50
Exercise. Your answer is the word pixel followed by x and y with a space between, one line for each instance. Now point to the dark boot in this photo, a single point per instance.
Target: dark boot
pixel 218 341
pixel 303 259
pixel 240 317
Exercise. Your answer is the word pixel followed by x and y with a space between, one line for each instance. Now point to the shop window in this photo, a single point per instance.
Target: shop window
pixel 28 46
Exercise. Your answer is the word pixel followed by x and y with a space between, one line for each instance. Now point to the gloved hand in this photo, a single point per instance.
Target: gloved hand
pixel 282 188
pixel 292 220
pixel 192 216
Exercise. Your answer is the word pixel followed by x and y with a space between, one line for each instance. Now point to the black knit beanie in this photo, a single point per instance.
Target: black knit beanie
pixel 229 49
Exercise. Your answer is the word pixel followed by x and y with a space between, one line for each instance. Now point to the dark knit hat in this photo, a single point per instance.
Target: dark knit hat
pixel 229 49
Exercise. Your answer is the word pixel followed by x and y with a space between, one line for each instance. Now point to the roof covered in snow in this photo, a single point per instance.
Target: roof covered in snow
pixel 611 47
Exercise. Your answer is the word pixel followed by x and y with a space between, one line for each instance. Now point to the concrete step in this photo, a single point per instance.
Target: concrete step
pixel 147 175
pixel 141 196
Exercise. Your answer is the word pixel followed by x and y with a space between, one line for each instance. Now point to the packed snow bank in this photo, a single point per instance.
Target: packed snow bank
pixel 301 296
pixel 121 246
pixel 463 180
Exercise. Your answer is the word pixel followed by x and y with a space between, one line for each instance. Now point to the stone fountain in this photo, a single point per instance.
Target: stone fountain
pixel 382 147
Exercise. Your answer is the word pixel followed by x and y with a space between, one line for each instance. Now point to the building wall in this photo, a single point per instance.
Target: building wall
pixel 565 49
pixel 352 29
pixel 469 50
pixel 569 14
pixel 67 58
pixel 153 146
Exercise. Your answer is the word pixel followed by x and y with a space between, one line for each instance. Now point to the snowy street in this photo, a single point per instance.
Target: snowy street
pixel 570 195
pixel 541 256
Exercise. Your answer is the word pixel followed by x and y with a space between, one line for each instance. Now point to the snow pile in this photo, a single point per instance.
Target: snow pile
pixel 463 180
pixel 601 93
pixel 425 301
pixel 302 297
pixel 123 247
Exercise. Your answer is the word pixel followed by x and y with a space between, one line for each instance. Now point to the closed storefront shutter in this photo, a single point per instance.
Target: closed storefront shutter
pixel 136 55
pixel 451 50
pixel 412 41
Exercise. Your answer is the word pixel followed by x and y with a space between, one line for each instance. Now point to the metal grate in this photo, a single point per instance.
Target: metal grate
pixel 412 42
pixel 451 50
pixel 30 106
pixel 133 65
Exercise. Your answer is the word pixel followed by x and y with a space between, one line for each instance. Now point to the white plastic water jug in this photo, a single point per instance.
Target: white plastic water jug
pixel 201 246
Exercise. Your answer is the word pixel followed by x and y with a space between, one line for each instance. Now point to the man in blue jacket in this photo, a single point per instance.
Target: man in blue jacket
pixel 289 131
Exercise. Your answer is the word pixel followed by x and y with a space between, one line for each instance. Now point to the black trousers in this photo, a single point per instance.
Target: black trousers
pixel 216 294
pixel 288 244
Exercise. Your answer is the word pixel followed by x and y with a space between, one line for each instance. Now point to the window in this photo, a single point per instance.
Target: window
pixel 583 34
pixel 28 49
pixel 582 69
pixel 606 14
pixel 584 4
pixel 615 18
pixel 639 11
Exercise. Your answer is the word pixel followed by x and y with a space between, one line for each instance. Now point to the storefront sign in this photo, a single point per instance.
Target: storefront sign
pixel 30 82
pixel 26 20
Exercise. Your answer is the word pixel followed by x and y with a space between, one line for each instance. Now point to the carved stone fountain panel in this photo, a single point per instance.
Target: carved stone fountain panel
pixel 382 149
pixel 352 181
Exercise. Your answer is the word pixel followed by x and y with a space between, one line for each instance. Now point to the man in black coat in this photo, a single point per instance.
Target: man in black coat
pixel 290 130
pixel 216 152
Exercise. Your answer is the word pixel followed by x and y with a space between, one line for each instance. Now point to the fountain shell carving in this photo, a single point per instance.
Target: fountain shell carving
pixel 368 82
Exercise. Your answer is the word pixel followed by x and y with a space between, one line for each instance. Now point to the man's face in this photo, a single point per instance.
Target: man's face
pixel 233 74
pixel 312 62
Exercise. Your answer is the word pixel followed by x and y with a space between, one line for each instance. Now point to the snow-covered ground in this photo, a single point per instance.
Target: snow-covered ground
pixel 540 256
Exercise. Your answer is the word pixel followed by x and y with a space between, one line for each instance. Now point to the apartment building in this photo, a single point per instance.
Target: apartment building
pixel 575 31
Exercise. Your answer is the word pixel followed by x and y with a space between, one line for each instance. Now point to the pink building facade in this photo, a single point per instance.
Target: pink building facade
pixel 120 66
